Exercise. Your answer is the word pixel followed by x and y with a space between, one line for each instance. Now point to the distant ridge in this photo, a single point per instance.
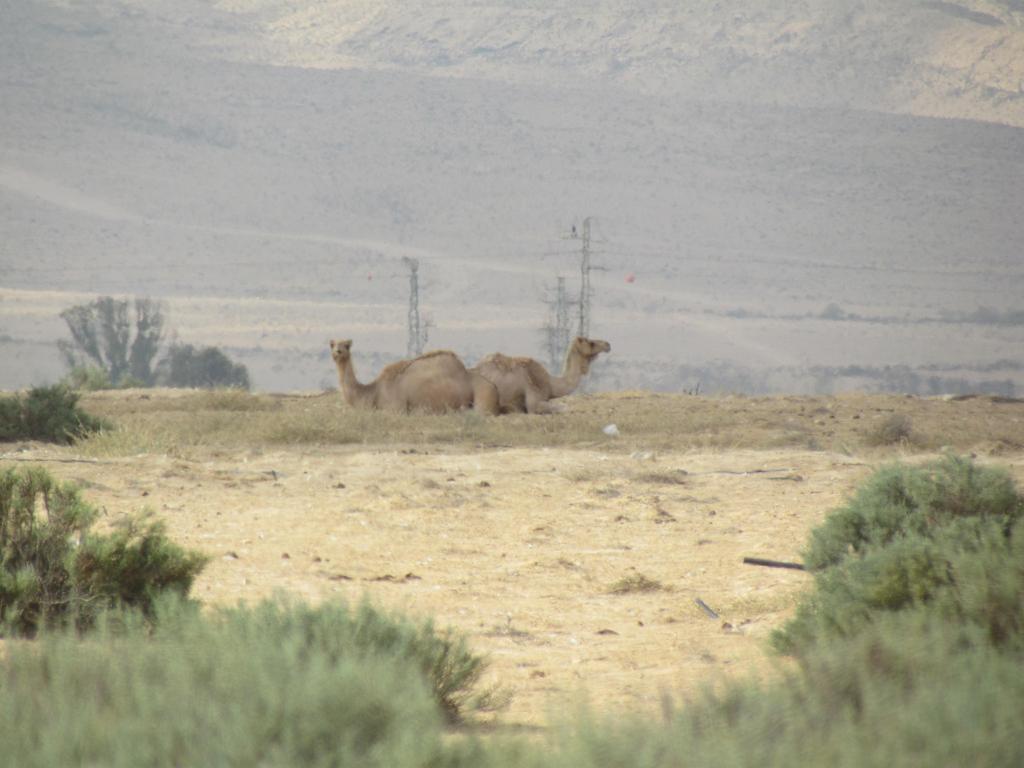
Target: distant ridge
pixel 938 59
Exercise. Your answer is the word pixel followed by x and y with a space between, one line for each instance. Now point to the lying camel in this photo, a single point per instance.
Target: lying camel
pixel 435 382
pixel 524 385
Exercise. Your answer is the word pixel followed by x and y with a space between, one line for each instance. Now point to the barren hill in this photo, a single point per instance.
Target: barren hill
pixel 771 176
pixel 939 59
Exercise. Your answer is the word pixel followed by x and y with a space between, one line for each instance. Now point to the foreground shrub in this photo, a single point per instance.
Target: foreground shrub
pixel 442 659
pixel 947 536
pixel 54 570
pixel 46 413
pixel 901 501
pixel 197 691
pixel 909 691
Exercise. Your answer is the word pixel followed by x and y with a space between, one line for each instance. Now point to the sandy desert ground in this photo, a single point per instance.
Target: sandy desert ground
pixel 517 531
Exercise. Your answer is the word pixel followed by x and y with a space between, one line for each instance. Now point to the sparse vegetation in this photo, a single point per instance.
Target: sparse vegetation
pixel 46 413
pixel 649 422
pixel 894 429
pixel 54 570
pixel 635 582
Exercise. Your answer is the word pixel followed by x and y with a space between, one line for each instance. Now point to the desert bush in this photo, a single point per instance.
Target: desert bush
pixel 635 582
pixel 442 659
pixel 87 378
pixel 46 413
pixel 946 536
pixel 206 368
pixel 894 429
pixel 54 570
pixel 265 686
pixel 908 692
pixel 899 501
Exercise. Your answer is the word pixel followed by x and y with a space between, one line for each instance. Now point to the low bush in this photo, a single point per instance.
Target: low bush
pixel 55 571
pixel 87 378
pixel 900 501
pixel 895 429
pixel 946 536
pixel 442 659
pixel 46 413
pixel 217 691
pixel 908 691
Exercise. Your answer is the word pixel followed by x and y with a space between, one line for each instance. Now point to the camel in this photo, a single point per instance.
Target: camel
pixel 523 384
pixel 435 382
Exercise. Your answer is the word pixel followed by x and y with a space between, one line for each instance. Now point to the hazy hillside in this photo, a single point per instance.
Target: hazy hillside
pixel 946 59
pixel 769 174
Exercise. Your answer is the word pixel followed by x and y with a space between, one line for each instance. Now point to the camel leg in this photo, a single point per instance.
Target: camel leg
pixel 537 404
pixel 485 396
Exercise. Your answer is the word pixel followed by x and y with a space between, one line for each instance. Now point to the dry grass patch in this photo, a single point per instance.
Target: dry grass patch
pixel 169 420
pixel 894 429
pixel 636 582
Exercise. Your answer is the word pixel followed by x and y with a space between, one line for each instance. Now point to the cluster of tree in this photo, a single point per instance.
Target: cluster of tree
pixel 117 343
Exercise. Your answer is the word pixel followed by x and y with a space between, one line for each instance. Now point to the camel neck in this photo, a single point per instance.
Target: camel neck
pixel 355 394
pixel 573 370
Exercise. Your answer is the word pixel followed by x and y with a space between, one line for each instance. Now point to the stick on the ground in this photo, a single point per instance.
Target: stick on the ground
pixel 773 563
pixel 62 461
pixel 704 607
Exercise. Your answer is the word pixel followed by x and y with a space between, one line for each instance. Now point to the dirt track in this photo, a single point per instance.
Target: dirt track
pixel 518 548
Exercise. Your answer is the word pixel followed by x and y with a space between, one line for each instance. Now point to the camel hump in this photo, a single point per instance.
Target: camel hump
pixel 436 353
pixel 504 362
pixel 436 357
pixel 535 372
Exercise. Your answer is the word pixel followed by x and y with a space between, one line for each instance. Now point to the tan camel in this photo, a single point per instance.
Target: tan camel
pixel 435 382
pixel 524 385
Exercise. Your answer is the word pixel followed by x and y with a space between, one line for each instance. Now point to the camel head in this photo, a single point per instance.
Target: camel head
pixel 341 351
pixel 588 349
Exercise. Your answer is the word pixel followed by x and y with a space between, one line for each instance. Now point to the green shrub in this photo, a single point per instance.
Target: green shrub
pixel 46 413
pixel 197 691
pixel 892 430
pixel 947 536
pixel 209 367
pixel 54 570
pixel 442 659
pixel 87 378
pixel 909 691
pixel 899 501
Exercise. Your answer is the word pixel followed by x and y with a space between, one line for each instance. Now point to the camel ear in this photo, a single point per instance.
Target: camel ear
pixel 581 339
pixel 332 343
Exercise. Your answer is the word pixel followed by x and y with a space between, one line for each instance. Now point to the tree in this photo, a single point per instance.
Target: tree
pixel 101 334
pixel 185 366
